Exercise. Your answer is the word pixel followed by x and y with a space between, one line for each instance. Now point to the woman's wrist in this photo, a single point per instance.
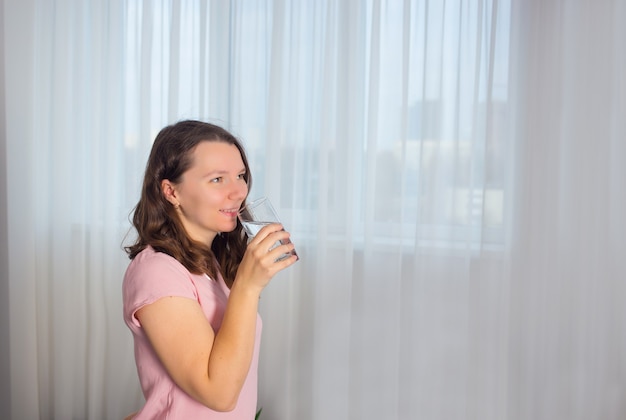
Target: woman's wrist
pixel 246 290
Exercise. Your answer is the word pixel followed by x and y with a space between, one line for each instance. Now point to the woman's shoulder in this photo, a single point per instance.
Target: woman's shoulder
pixel 153 274
pixel 149 255
pixel 155 262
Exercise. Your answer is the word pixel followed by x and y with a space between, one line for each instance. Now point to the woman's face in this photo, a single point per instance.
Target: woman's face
pixel 211 190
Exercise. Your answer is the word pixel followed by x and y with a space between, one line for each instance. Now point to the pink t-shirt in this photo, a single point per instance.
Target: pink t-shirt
pixel 151 276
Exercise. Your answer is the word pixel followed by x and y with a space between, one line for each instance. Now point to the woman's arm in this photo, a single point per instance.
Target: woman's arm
pixel 211 367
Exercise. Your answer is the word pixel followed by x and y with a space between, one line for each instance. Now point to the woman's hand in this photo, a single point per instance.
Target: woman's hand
pixel 211 367
pixel 260 262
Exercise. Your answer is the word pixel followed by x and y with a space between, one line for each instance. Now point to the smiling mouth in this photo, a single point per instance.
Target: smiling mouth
pixel 230 212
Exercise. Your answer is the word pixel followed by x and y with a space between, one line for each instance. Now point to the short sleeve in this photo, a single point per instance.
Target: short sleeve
pixel 150 277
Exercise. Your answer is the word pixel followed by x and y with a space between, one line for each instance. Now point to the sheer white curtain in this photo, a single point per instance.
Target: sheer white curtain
pixel 568 236
pixel 453 174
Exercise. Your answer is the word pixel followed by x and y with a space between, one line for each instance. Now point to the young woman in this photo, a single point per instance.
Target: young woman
pixel 192 289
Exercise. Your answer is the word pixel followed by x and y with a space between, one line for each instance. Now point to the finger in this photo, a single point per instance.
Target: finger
pixel 265 249
pixel 269 242
pixel 285 262
pixel 285 247
pixel 265 231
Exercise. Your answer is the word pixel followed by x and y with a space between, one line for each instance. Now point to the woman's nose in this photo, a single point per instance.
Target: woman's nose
pixel 239 190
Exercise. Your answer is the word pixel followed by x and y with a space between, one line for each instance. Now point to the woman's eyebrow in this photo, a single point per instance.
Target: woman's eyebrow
pixel 222 172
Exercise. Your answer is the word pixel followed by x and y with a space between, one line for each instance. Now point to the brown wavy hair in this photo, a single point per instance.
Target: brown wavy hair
pixel 155 219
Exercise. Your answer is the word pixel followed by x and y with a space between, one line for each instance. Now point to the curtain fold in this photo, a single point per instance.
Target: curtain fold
pixel 452 173
pixel 18 26
pixel 564 264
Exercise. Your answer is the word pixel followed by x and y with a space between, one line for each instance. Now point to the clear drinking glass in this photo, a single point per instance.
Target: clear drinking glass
pixel 258 213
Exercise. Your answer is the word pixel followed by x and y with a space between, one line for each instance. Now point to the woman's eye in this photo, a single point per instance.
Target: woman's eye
pixel 242 176
pixel 216 180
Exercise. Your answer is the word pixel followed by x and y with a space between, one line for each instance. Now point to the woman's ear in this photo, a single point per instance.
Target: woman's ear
pixel 169 192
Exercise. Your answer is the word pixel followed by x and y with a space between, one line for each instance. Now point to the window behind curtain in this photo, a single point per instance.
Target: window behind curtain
pixel 393 114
